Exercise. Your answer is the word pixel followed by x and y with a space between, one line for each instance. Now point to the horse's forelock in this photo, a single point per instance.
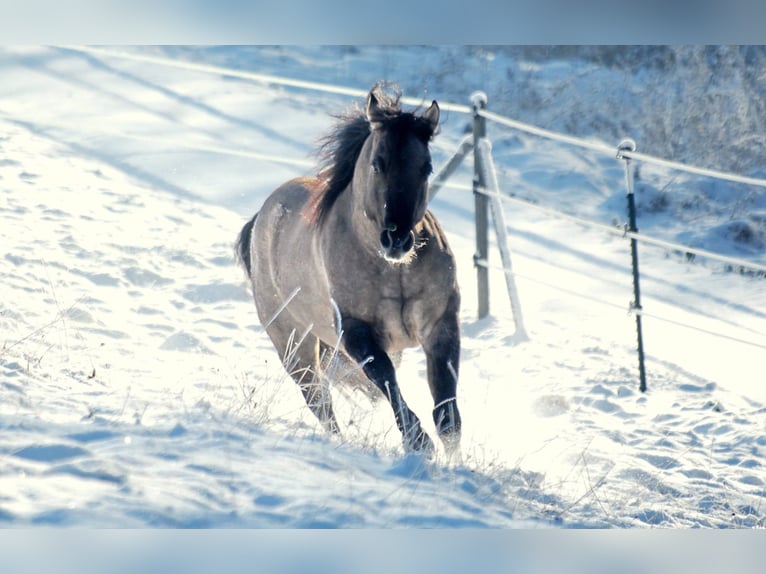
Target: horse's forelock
pixel 388 101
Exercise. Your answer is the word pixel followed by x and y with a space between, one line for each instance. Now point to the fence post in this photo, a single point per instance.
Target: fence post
pixel 630 145
pixel 481 256
pixel 489 176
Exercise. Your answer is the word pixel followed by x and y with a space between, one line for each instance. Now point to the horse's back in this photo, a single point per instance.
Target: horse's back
pixel 292 196
pixel 284 252
pixel 287 211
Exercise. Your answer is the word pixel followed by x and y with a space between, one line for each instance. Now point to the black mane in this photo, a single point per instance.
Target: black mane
pixel 340 149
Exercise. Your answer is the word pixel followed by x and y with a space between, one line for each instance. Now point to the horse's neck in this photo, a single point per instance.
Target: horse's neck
pixel 349 219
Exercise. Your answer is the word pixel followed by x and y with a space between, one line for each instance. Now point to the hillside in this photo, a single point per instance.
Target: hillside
pixel 138 389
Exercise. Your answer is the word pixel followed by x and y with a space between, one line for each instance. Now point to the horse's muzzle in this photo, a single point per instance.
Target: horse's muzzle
pixel 396 246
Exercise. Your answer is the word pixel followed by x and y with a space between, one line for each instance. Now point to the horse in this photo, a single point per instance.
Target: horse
pixel 349 267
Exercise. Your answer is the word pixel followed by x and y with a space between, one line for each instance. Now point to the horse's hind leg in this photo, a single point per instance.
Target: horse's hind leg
pixel 302 360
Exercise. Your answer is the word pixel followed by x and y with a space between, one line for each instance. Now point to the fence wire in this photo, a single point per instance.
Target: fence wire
pixel 622 232
pixel 612 151
pixel 250 76
pixel 593 145
pixel 359 93
pixel 625 308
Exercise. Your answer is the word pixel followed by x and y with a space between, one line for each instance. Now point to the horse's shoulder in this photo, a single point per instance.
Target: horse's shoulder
pixel 435 257
pixel 434 231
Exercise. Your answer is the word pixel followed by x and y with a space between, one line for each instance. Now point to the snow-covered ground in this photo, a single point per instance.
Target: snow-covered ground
pixel 138 389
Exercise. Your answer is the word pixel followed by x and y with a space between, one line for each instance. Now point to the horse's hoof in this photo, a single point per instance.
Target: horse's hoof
pixel 420 443
pixel 451 442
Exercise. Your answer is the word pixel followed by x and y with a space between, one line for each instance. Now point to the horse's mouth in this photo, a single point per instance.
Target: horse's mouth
pixel 399 258
pixel 397 249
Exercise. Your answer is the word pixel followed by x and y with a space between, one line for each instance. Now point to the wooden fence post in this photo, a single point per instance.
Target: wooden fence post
pixel 481 256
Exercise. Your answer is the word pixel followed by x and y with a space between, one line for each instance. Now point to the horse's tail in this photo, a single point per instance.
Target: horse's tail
pixel 243 245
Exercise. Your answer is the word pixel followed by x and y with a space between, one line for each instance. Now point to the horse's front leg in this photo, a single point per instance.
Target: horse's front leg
pixel 360 344
pixel 442 349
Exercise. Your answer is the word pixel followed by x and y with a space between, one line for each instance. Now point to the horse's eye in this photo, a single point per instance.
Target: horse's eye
pixel 377 165
pixel 427 169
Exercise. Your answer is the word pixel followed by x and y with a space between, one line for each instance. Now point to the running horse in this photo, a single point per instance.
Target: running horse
pixel 349 267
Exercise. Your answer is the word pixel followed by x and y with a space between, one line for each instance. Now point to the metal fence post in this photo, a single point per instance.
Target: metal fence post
pixel 630 145
pixel 481 256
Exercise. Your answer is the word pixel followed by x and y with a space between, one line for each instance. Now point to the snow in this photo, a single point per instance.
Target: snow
pixel 138 389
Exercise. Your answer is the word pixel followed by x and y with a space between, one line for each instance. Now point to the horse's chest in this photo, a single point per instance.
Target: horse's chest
pixel 396 316
pixel 394 322
pixel 385 305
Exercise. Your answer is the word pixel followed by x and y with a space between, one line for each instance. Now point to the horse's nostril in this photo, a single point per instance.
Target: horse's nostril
pixel 390 241
pixel 409 241
pixel 386 241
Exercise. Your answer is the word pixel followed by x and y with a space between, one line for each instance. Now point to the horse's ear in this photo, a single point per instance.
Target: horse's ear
pixel 372 110
pixel 432 115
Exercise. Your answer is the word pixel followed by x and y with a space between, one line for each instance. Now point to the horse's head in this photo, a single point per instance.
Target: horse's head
pixel 396 169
